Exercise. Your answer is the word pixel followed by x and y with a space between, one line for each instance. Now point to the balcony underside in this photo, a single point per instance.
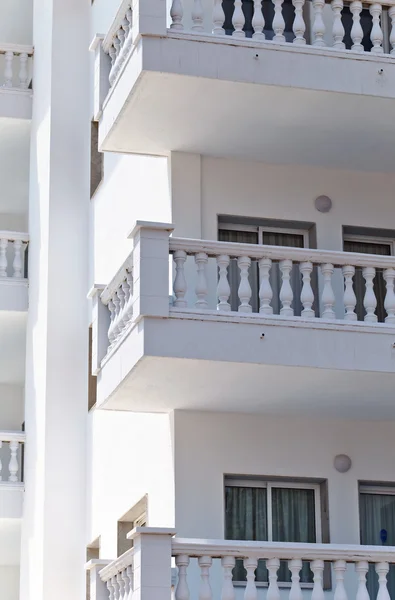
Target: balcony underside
pixel 274 103
pixel 194 362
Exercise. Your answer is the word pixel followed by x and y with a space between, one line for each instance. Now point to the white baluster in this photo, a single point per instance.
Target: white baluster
pixel 238 20
pixel 129 572
pixel 110 589
pixel 356 29
pixel 23 70
pixel 273 593
pixel 307 294
pixel 376 35
pixel 340 567
pixel 201 290
pixel 328 297
pixel 295 567
pixel 17 264
pixel 389 302
pixel 180 284
pixel 391 13
pixel 228 591
pixel 258 21
pixel 8 73
pixel 244 291
pixel 299 26
pixel 223 289
pixel 126 583
pixel 318 23
pixel 182 590
pixel 278 22
pixel 350 298
pixel 317 566
pixel 362 567
pixel 121 37
pixel 205 563
pixel 265 289
pixel 250 592
pixel 218 18
pixel 115 588
pixel 121 586
pixel 286 294
pixel 117 304
pixel 177 13
pixel 129 307
pixel 382 569
pixel 121 296
pixel 3 257
pixel 338 29
pixel 13 466
pixel 1 466
pixel 369 300
pixel 126 295
pixel 110 334
pixel 197 16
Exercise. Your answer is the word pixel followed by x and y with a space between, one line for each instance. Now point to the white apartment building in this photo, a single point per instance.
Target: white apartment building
pixel 197 304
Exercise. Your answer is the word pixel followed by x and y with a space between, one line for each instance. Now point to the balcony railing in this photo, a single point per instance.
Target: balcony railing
pixel 207 565
pixel 218 278
pixel 11 443
pixel 13 264
pixel 16 66
pixel 338 25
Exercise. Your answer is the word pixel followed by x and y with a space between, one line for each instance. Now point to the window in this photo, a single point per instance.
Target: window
pixel 97 158
pixel 271 236
pixel 369 245
pixel 377 527
pixel 278 511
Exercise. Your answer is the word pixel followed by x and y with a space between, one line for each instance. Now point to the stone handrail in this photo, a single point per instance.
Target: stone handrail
pixel 13 439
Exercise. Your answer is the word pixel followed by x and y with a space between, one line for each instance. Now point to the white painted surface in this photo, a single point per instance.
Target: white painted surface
pixel 134 187
pixel 12 348
pixel 14 172
pixel 57 338
pixel 11 406
pixel 9 582
pixel 259 445
pixel 17 21
pixel 134 451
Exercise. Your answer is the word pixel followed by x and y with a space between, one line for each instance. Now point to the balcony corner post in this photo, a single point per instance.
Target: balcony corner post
pixel 152 563
pixel 97 587
pixel 150 269
pixel 101 84
pixel 100 325
pixel 149 18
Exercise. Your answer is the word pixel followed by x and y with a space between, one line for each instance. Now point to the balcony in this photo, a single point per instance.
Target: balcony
pixel 16 81
pixel 204 569
pixel 300 320
pixel 11 475
pixel 180 79
pixel 13 271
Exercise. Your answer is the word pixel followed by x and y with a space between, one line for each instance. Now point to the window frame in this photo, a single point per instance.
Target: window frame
pixel 269 484
pixel 259 229
pixel 370 239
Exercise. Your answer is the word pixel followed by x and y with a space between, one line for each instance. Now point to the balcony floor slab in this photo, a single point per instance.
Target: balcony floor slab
pixel 269 102
pixel 189 362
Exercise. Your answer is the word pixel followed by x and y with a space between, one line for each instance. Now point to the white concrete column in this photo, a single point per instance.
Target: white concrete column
pixel 152 563
pixel 53 528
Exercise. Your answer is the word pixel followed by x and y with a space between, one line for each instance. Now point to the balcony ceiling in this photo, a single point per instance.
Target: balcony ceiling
pixel 274 106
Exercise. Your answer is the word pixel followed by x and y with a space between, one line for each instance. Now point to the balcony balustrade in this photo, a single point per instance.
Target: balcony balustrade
pixel 13 247
pixel 204 569
pixel 11 443
pixel 291 283
pixel 16 63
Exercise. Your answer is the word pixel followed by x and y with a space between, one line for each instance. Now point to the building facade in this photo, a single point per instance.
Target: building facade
pixel 197 305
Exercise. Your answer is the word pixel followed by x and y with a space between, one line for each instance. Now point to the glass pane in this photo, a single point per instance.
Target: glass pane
pixel 378 282
pixel 246 519
pixel 377 515
pixel 293 518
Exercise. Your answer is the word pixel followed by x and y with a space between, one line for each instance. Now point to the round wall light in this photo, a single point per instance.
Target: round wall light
pixel 323 204
pixel 342 463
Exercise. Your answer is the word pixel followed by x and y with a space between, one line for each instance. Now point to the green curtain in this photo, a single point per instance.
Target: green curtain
pixel 377 513
pixel 246 519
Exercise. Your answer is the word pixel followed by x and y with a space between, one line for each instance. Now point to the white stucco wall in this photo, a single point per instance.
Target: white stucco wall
pixel 129 456
pixel 16 25
pixel 9 582
pixel 11 407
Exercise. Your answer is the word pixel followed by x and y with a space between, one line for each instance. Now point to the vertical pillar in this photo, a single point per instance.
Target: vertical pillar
pixel 53 528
